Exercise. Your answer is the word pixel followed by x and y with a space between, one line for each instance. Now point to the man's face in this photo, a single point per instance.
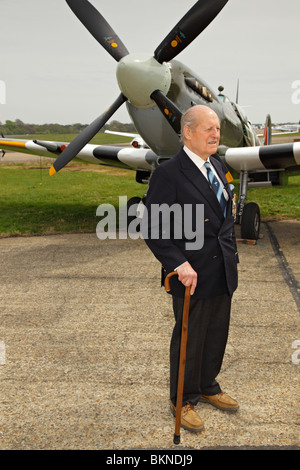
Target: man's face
pixel 203 139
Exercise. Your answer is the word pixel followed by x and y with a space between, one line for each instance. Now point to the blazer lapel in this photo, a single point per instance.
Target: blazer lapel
pixel 199 181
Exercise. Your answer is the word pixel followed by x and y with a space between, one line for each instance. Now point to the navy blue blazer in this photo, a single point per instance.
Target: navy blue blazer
pixel 179 181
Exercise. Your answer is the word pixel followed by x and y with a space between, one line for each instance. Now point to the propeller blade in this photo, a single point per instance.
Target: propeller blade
pixel 168 109
pixel 188 28
pixel 85 136
pixel 98 27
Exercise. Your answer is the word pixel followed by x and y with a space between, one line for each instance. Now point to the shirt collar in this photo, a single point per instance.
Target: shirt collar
pixel 199 162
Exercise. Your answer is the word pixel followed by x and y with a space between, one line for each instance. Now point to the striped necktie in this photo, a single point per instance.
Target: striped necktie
pixel 216 186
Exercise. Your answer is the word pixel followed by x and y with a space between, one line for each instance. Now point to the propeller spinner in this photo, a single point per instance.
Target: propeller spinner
pixel 142 79
pixel 139 75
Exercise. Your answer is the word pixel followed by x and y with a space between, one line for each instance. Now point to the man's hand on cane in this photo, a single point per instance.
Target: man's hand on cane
pixel 187 276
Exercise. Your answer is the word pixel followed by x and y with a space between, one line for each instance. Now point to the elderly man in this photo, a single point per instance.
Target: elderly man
pixel 188 179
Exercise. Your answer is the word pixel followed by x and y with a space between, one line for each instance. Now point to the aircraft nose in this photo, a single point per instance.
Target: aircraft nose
pixel 139 75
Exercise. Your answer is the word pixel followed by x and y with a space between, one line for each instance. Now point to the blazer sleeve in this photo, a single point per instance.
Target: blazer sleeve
pixel 161 190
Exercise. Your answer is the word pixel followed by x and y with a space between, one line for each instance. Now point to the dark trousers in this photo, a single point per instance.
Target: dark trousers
pixel 207 337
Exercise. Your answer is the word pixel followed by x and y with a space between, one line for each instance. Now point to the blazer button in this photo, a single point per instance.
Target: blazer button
pixel 214 257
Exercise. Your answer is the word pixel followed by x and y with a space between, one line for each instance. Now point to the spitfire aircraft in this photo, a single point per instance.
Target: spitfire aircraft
pixel 157 89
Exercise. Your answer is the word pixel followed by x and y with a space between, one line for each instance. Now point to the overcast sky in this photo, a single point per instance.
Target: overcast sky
pixel 55 71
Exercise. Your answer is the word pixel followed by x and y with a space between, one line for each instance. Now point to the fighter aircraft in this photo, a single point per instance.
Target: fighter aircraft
pixel 288 128
pixel 157 89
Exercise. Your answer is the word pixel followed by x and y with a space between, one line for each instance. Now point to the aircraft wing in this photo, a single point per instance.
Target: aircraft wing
pixel 265 157
pixel 124 157
pixel 137 139
pixel 276 156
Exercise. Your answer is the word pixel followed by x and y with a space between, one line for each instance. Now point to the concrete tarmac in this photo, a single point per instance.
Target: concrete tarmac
pixel 84 356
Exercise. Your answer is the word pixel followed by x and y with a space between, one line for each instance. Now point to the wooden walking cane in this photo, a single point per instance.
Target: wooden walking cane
pixel 182 358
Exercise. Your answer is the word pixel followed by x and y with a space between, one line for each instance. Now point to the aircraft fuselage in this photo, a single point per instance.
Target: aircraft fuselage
pixel 186 90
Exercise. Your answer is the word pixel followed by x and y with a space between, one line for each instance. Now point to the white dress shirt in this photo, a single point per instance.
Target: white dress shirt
pixel 199 162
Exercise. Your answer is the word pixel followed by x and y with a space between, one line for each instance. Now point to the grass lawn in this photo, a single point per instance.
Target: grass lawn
pixel 32 202
pixel 278 202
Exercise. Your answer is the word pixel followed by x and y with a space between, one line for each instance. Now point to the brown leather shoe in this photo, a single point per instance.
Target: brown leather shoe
pixel 190 420
pixel 221 401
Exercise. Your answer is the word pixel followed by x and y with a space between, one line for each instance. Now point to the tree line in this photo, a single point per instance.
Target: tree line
pixel 18 127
